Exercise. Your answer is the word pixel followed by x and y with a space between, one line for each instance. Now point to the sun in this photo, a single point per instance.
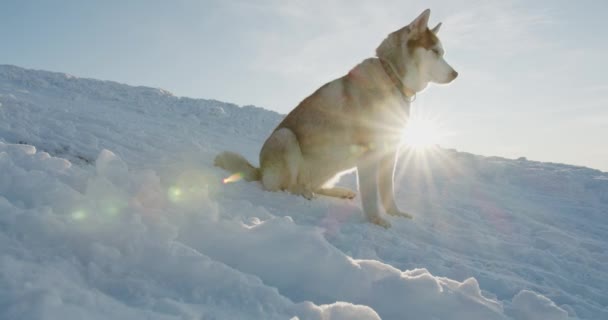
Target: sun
pixel 423 133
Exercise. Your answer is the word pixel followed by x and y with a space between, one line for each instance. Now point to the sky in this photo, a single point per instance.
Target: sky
pixel 532 74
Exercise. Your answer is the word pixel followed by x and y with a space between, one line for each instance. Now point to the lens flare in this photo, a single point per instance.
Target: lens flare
pixel 112 210
pixel 175 194
pixel 79 215
pixel 233 178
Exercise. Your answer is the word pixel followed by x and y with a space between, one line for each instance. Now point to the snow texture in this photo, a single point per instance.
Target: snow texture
pixel 110 208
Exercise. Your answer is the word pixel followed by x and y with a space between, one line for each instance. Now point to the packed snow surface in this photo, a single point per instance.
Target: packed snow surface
pixel 110 208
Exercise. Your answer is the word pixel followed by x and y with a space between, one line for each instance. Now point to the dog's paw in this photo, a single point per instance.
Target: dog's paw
pixel 398 213
pixel 381 222
pixel 348 194
pixel 308 195
pixel 304 192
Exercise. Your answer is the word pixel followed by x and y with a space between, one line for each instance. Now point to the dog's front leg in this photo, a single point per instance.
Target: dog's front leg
pixel 386 184
pixel 367 175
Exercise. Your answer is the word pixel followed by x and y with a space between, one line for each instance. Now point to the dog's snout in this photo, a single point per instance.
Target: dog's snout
pixel 454 74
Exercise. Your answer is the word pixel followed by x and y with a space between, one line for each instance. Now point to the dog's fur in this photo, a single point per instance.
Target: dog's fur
pixel 352 122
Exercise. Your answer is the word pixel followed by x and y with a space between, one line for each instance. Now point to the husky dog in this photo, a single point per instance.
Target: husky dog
pixel 352 122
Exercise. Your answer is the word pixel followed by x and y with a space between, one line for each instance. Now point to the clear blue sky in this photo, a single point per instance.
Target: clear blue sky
pixel 533 74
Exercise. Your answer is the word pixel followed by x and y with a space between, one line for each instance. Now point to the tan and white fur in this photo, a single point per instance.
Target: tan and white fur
pixel 352 122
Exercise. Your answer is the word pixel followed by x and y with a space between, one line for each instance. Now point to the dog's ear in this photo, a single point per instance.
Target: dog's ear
pixel 436 29
pixel 420 24
pixel 388 45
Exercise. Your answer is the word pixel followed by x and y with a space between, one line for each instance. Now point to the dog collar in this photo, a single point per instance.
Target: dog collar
pixel 408 94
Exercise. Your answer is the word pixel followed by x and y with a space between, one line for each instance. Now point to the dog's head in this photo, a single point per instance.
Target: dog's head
pixel 417 54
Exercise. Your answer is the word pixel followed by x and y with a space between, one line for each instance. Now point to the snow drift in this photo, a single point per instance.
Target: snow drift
pixel 110 208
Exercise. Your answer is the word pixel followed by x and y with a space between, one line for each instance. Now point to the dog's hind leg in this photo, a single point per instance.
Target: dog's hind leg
pixel 280 163
pixel 337 192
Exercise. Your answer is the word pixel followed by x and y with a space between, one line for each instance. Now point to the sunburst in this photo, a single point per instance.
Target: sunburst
pixel 423 132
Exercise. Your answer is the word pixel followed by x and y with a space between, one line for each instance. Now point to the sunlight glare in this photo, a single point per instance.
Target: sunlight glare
pixel 423 133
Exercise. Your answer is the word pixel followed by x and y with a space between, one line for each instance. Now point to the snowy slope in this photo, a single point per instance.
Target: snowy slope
pixel 110 208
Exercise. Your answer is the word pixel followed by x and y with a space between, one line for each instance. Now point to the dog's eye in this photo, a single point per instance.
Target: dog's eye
pixel 435 51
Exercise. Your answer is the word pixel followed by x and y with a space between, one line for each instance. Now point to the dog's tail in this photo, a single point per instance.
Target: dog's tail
pixel 236 163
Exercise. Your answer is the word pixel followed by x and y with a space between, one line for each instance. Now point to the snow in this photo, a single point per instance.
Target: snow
pixel 110 207
pixel 529 306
